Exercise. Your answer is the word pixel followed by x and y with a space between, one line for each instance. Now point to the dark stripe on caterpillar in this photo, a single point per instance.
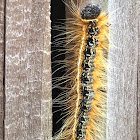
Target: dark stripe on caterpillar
pixel 86 78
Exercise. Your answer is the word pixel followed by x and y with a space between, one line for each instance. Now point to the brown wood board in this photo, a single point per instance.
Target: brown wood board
pixel 28 70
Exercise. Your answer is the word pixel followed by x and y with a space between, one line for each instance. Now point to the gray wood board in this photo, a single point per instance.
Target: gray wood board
pixel 28 71
pixel 138 82
pixel 122 121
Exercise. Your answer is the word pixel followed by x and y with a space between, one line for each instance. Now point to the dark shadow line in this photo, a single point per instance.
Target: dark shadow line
pixel 137 121
pixel 4 64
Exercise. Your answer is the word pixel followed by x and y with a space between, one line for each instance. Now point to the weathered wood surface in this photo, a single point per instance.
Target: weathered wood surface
pixel 138 86
pixel 122 121
pixel 1 67
pixel 28 70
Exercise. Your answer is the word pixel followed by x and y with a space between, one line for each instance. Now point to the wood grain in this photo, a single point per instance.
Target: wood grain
pixel 138 86
pixel 28 70
pixel 122 119
pixel 1 67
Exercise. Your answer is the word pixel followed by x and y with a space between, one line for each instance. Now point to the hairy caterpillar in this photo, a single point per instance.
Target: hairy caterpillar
pixel 86 48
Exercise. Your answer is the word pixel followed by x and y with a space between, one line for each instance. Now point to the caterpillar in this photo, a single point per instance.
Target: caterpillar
pixel 85 97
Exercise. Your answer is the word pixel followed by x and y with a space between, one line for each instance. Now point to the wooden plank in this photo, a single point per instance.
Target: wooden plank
pixel 2 3
pixel 122 76
pixel 28 70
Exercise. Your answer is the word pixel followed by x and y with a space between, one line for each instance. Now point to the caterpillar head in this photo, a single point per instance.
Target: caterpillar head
pixel 90 11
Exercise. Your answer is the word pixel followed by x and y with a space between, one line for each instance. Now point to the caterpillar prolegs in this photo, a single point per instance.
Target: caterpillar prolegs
pixel 86 76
